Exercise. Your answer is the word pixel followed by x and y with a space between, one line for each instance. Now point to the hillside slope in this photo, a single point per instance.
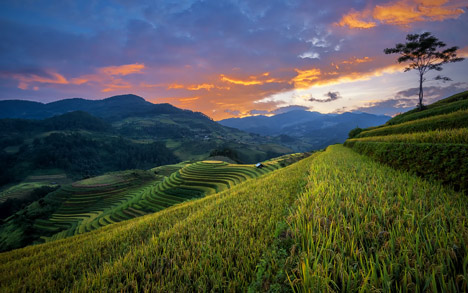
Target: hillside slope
pixel 353 225
pixel 87 138
pixel 432 143
pixel 92 203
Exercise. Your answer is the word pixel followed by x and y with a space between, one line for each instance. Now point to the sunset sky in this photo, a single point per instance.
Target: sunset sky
pixel 227 58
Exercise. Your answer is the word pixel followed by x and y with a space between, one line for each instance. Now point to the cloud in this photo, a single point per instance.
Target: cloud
pixel 332 96
pixel 403 13
pixel 252 80
pixel 357 19
pixel 258 112
pixel 232 112
pixel 192 87
pixel 408 99
pixel 289 108
pixel 122 69
pixel 305 78
pixel 355 60
pixel 310 54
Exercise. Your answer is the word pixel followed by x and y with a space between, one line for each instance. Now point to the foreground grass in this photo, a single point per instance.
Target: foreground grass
pixel 214 243
pixel 364 227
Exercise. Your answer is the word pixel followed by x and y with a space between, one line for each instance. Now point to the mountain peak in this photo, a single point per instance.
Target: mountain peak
pixel 126 98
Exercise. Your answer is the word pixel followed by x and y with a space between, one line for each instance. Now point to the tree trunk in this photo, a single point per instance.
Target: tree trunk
pixel 420 105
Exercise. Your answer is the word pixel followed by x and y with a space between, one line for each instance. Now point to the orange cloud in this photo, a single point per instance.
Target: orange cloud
pixel 193 87
pixel 26 79
pixel 122 69
pixel 333 78
pixel 197 87
pixel 116 84
pixel 403 12
pixel 175 86
pixel 253 80
pixel 188 100
pixel 463 52
pixel 305 78
pixel 354 60
pixel 355 19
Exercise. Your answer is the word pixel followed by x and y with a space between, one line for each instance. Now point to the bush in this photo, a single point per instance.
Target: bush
pixel 354 132
pixel 447 163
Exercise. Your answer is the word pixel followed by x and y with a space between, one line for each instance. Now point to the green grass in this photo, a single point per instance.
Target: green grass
pixel 364 227
pixel 213 243
pixel 454 120
pixel 95 202
pixel 453 136
pixel 443 162
pixel 354 225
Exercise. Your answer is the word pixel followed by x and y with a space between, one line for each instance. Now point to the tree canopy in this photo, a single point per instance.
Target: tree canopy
pixel 424 52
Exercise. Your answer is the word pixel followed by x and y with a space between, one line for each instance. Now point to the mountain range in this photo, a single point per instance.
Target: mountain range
pixel 317 130
pixel 111 108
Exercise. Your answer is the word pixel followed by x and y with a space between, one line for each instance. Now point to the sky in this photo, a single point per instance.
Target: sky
pixel 227 58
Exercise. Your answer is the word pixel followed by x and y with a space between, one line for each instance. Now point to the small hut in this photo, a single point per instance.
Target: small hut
pixel 259 165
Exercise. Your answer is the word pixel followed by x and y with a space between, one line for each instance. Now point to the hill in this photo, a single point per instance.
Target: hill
pixel 92 203
pixel 90 137
pixel 114 107
pixel 314 129
pixel 334 221
pixel 432 143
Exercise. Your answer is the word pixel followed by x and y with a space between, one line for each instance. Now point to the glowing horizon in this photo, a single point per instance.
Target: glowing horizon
pixel 227 59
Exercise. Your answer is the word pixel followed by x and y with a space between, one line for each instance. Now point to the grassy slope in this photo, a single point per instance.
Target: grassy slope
pixel 364 226
pixel 212 243
pixel 99 201
pixel 432 143
pixel 357 224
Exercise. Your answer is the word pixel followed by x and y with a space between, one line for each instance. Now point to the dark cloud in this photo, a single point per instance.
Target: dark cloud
pixel 408 99
pixel 232 112
pixel 280 110
pixel 258 112
pixel 289 109
pixel 433 93
pixel 331 96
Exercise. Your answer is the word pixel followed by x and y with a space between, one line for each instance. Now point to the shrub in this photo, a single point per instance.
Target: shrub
pixel 447 163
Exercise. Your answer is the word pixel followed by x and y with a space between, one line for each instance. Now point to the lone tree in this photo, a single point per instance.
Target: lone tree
pixel 425 53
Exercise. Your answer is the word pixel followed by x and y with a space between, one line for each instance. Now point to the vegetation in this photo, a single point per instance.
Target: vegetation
pixel 334 221
pixel 364 227
pixel 422 51
pixel 84 145
pixel 447 163
pixel 432 143
pixel 354 132
pixel 96 202
pixel 458 102
pixel 453 136
pixel 453 120
pixel 213 243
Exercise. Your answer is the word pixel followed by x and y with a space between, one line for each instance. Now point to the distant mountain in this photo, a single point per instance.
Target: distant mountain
pixel 316 129
pixel 86 138
pixel 113 107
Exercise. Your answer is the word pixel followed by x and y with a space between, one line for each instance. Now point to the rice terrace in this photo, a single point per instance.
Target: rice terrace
pixel 275 146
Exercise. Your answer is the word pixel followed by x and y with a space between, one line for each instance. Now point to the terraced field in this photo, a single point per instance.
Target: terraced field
pixel 336 221
pixel 97 202
pixel 432 143
pixel 24 188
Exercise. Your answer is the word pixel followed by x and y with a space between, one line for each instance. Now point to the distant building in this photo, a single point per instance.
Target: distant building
pixel 259 165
